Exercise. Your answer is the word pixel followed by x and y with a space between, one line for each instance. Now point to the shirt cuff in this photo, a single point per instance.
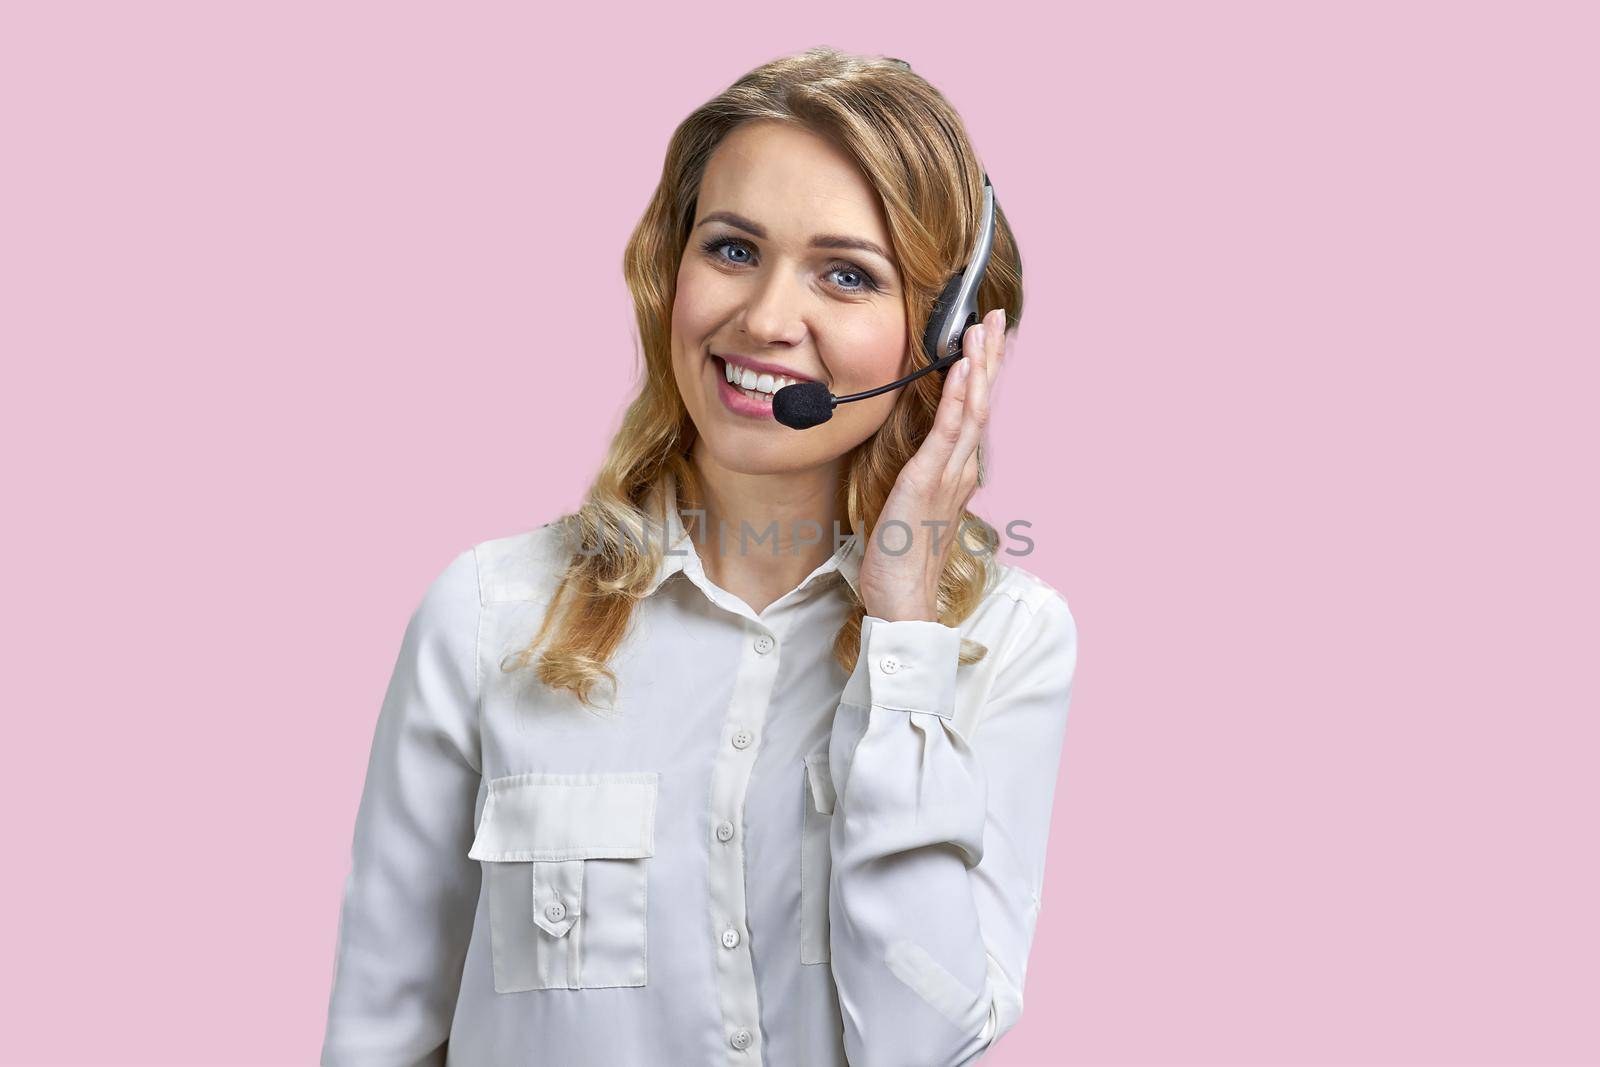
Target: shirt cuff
pixel 908 665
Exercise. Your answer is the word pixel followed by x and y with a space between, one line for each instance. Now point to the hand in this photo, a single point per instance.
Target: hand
pixel 933 488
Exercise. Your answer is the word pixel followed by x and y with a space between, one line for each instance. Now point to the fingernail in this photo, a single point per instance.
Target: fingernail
pixel 979 335
pixel 962 366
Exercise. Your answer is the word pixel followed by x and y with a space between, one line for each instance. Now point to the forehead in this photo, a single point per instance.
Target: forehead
pixel 791 181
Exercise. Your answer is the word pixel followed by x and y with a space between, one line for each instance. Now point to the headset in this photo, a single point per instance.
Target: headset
pixel 806 404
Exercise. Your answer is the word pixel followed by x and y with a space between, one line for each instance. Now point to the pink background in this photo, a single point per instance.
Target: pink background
pixel 300 299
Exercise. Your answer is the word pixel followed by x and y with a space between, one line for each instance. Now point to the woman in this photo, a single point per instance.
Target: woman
pixel 646 791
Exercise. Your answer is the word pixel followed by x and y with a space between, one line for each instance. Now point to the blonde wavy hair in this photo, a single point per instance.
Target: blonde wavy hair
pixel 913 149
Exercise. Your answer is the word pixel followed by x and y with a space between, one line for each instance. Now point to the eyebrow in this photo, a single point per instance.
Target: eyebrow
pixel 821 240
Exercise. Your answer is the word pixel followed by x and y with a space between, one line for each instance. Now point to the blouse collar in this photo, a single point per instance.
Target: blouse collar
pixel 680 554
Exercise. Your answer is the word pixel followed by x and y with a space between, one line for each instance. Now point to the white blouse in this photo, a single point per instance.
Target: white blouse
pixel 754 859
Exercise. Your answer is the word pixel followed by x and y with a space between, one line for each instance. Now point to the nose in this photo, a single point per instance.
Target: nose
pixel 775 312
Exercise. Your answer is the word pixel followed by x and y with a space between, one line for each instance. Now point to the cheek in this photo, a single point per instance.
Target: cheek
pixel 874 354
pixel 699 305
pixel 692 316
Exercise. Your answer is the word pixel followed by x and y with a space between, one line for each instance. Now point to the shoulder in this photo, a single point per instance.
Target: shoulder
pixel 446 626
pixel 522 566
pixel 1021 613
pixel 1020 585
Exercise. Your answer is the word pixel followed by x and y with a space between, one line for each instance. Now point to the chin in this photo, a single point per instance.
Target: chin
pixel 762 456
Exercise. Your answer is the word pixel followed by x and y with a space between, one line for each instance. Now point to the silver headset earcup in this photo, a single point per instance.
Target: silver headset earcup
pixel 941 330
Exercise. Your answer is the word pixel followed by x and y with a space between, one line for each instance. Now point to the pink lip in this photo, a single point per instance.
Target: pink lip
pixel 759 367
pixel 737 402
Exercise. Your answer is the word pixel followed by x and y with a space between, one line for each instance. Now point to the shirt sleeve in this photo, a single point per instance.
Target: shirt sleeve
pixel 411 892
pixel 938 840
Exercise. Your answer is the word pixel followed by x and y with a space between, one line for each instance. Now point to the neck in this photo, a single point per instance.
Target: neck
pixel 774 528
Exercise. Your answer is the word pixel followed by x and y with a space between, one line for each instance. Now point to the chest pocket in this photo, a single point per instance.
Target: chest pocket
pixel 815 860
pixel 566 860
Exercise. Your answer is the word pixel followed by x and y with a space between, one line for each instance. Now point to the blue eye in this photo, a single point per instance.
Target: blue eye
pixel 715 246
pixel 851 270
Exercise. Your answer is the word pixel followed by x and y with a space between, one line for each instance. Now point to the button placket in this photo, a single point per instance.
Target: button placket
pixel 730 780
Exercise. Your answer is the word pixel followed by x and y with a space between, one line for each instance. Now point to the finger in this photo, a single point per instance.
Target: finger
pixel 996 332
pixel 974 409
pixel 946 429
pixel 973 472
pixel 997 359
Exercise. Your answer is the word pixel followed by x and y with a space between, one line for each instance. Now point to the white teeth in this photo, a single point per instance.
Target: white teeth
pixel 750 381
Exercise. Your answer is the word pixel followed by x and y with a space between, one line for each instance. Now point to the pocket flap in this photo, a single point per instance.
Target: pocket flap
pixel 821 782
pixel 557 896
pixel 554 817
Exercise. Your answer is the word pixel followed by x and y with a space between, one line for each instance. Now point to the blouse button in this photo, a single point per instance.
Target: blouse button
pixel 740 1039
pixel 889 664
pixel 764 644
pixel 730 938
pixel 724 830
pixel 555 912
pixel 741 739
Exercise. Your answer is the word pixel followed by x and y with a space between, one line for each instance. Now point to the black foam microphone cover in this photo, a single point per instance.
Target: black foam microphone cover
pixel 803 405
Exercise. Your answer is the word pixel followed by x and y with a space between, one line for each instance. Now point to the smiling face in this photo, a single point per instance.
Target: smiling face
pixel 768 284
